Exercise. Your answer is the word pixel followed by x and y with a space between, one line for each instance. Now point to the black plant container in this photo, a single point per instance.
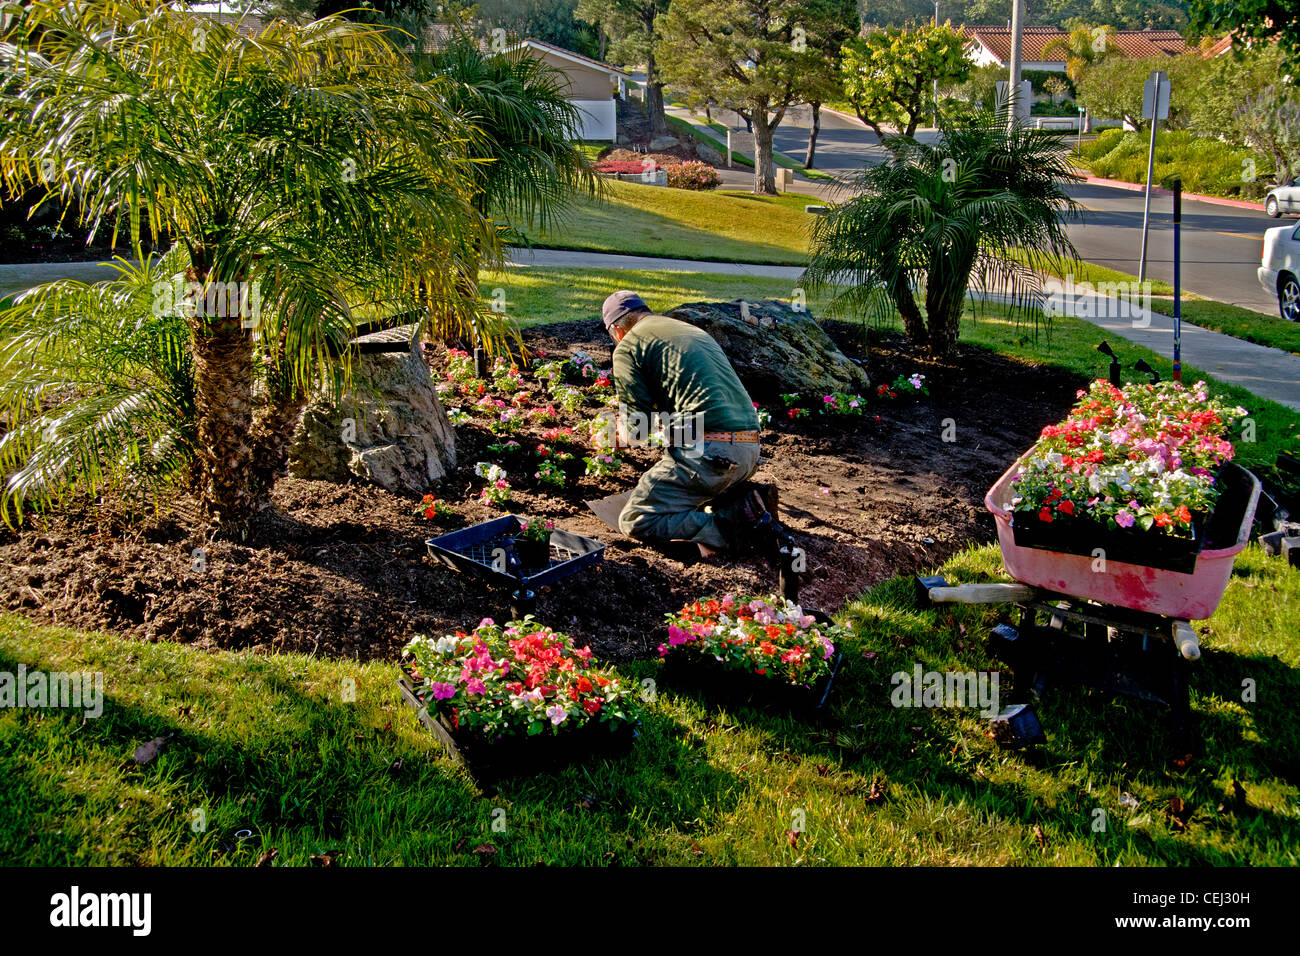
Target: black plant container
pixel 708 677
pixel 1149 548
pixel 491 760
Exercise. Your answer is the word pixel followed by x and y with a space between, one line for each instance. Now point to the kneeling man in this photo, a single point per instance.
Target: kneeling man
pixel 664 367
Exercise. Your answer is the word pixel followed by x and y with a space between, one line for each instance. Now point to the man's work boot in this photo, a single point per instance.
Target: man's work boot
pixel 771 499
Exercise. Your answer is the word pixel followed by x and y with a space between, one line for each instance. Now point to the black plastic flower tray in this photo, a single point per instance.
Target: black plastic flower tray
pixel 710 678
pixel 478 550
pixel 490 760
pixel 1148 548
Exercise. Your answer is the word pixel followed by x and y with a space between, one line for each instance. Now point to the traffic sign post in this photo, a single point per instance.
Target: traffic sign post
pixel 1155 107
pixel 1178 256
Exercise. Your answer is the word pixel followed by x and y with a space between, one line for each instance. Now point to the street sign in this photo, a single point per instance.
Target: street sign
pixel 1153 108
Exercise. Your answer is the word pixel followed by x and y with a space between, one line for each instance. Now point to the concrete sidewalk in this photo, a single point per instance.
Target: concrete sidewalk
pixel 24 275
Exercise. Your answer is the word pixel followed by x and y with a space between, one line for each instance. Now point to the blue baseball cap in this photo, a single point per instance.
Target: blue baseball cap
pixel 620 304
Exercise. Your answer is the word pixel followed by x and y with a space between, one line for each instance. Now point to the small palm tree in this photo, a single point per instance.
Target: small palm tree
pixel 985 206
pixel 307 164
pixel 97 386
pixel 531 168
pixel 1082 47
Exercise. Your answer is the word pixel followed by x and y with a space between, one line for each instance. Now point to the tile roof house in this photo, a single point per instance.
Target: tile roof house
pixel 992 45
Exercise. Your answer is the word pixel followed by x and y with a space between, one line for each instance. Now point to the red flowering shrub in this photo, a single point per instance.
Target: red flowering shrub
pixel 693 176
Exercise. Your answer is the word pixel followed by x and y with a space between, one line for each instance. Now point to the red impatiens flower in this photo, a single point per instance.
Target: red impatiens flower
pixel 1045 515
pixel 584 685
pixel 592 704
pixel 1066 507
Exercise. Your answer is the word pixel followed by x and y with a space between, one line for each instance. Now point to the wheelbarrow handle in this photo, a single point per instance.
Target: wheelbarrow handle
pixel 1187 641
pixel 993 593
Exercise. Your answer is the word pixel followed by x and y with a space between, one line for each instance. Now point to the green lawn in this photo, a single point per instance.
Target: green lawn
pixel 267 743
pixel 716 137
pixel 723 225
pixel 546 294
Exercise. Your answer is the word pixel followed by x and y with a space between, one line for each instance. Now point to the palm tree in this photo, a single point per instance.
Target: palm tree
pixel 307 164
pixel 530 167
pixel 1082 47
pixel 984 206
pixel 97 385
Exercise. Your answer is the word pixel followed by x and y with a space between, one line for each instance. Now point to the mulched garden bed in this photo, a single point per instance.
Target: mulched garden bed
pixel 342 569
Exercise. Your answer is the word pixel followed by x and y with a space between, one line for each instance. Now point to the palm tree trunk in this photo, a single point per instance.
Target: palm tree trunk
pixel 913 323
pixel 274 423
pixel 943 307
pixel 223 402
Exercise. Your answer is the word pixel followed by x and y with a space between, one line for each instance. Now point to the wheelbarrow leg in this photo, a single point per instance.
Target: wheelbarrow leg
pixel 1180 704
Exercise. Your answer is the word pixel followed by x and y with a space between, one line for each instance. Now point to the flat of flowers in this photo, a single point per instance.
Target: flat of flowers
pixel 489 761
pixel 702 676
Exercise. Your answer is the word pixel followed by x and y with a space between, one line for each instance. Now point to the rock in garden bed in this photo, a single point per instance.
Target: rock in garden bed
pixel 776 349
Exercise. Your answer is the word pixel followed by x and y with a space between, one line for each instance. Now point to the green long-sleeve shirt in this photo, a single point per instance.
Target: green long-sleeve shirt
pixel 666 365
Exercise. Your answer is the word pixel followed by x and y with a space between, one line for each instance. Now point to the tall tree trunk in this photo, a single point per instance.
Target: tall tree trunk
pixel 764 170
pixel 223 402
pixel 809 159
pixel 654 97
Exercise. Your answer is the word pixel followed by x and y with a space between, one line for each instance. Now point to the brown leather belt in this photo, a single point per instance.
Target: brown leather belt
pixel 734 437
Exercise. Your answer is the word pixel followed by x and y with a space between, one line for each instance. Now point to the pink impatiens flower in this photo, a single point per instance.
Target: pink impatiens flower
pixel 557 714
pixel 442 691
pixel 475 686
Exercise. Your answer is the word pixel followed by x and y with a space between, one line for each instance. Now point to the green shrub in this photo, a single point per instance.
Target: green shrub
pixel 1207 166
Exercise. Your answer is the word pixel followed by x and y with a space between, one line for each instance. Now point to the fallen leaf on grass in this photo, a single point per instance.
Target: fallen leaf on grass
pixel 870 655
pixel 792 836
pixel 460 845
pixel 1128 800
pixel 588 801
pixel 146 753
pixel 267 858
pixel 485 849
pixel 1040 836
pixel 1182 763
pixel 324 859
pixel 1177 813
pixel 695 848
pixel 877 792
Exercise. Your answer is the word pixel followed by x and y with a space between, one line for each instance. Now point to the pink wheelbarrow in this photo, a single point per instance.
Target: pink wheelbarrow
pixel 1092 619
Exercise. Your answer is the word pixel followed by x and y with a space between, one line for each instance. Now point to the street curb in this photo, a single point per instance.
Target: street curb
pixel 1161 191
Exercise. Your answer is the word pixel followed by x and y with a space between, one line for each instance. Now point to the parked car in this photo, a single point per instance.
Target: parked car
pixel 1279 269
pixel 1282 199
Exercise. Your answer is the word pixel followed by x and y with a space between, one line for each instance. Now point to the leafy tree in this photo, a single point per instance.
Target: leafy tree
pixel 941 218
pixel 889 75
pixel 633 30
pixel 823 82
pixel 306 164
pixel 751 56
pixel 1269 123
pixel 1252 20
pixel 552 21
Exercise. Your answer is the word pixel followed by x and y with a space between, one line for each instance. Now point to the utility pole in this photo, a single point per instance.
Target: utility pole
pixel 936 79
pixel 1155 107
pixel 1013 77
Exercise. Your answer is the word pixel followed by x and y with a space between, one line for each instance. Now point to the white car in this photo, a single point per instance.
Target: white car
pixel 1279 269
pixel 1282 199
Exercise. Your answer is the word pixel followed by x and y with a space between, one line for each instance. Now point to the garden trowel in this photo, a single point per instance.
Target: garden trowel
pixel 608 509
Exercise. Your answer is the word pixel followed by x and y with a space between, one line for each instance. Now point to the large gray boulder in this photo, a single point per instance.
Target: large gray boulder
pixel 776 349
pixel 389 428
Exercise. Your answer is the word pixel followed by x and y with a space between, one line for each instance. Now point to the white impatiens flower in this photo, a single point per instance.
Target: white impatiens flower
pixel 446 645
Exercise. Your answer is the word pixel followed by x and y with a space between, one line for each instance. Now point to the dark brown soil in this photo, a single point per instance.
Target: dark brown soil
pixel 342 569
